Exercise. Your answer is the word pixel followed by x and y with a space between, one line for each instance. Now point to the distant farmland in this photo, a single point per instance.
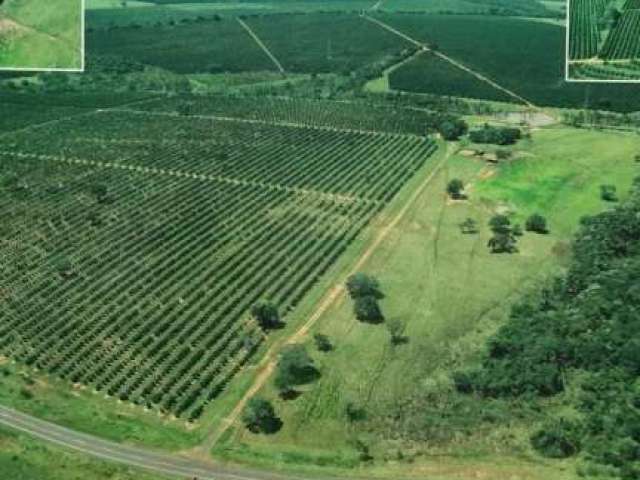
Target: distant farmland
pixel 533 66
pixel 136 242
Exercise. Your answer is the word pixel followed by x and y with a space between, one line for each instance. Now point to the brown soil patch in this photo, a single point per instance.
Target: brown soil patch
pixel 9 26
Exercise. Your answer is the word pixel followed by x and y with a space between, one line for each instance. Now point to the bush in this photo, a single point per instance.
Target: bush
pixel 608 193
pixel 452 129
pixel 361 285
pixel 259 416
pixel 536 223
pixel 295 367
pixel 322 342
pixel 266 314
pixel 455 188
pixel 367 309
pixel 557 439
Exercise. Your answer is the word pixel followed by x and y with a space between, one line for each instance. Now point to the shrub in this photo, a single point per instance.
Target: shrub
pixel 322 342
pixel 259 416
pixel 558 438
pixel 367 309
pixel 536 223
pixel 266 314
pixel 608 193
pixel 455 188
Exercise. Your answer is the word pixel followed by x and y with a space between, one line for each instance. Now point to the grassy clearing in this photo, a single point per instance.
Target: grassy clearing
pixel 45 34
pixel 26 459
pixel 450 294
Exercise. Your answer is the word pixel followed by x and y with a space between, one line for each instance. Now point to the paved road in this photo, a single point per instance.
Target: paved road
pixel 162 463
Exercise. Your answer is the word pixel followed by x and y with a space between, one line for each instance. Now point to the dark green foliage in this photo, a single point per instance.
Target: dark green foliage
pixel 62 264
pixel 500 224
pixel 259 416
pixel 455 188
pixel 608 193
pixel 354 412
pixel 363 285
pixel 266 314
pixel 323 343
pixel 452 128
pixel 504 235
pixel 396 331
pixel 295 367
pixel 479 43
pixel 536 223
pixel 587 321
pixel 367 309
pixel 495 135
pixel 557 438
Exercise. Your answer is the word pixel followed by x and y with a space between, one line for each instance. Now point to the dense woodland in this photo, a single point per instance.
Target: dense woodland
pixel 580 334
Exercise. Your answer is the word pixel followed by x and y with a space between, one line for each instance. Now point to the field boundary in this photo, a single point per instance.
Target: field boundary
pixel 268 363
pixel 453 62
pixel 261 44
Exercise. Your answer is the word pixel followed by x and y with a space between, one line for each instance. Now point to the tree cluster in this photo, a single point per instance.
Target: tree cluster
pixel 365 293
pixel 495 135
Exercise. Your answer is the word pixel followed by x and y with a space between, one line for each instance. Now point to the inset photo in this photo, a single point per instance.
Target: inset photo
pixel 42 35
pixel 603 41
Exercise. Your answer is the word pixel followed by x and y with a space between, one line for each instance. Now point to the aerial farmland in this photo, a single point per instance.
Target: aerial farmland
pixel 322 239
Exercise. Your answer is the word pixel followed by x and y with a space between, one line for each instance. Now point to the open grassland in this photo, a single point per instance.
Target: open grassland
pixel 207 216
pixel 532 66
pixel 36 34
pixel 25 459
pixel 449 293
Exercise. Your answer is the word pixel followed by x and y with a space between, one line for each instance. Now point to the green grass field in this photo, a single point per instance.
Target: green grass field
pixel 41 35
pixel 26 459
pixel 450 293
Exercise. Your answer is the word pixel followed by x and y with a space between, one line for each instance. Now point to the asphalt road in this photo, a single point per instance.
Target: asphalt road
pixel 159 462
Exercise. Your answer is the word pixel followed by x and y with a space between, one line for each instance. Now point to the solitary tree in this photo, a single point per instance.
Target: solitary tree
pixel 455 188
pixel 502 243
pixel 295 367
pixel 266 314
pixel 367 309
pixel 608 193
pixel 500 224
pixel 260 417
pixel 322 342
pixel 361 284
pixel 536 223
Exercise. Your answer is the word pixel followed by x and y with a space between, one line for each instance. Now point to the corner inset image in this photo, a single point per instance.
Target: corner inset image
pixel 603 41
pixel 42 35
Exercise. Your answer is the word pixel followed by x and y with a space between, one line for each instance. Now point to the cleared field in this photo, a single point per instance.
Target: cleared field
pixel 533 66
pixel 324 42
pixel 197 47
pixel 136 246
pixel 350 115
pixel 36 34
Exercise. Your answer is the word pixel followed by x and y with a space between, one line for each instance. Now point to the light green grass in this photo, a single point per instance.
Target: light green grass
pixel 44 34
pixel 451 293
pixel 22 458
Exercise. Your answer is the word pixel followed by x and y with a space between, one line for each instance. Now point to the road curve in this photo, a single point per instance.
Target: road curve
pixel 155 461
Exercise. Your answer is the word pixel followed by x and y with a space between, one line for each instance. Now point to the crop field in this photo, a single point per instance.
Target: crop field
pixel 44 35
pixel 325 42
pixel 611 71
pixel 624 41
pixel 584 34
pixel 533 67
pixel 134 248
pixel 196 47
pixel 349 115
